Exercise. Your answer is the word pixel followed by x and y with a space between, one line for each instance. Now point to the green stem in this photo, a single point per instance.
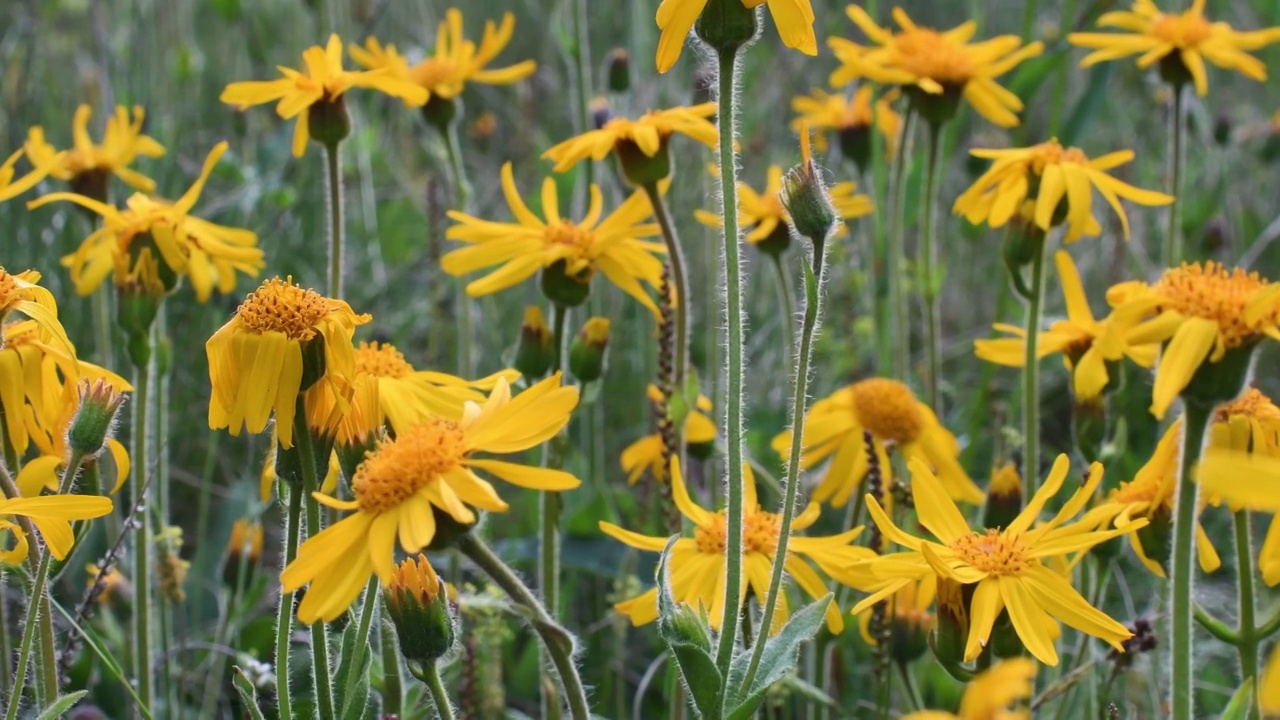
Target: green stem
pixel 1195 422
pixel 734 348
pixel 1031 374
pixel 6 648
pixel 1269 628
pixel 429 674
pixel 367 611
pixel 679 280
pixel 928 268
pixel 392 683
pixel 1173 250
pixel 582 81
pixel 787 304
pixel 1248 643
pixel 549 507
pixel 1214 626
pixel 143 650
pixel 462 192
pixel 897 251
pixel 813 284
pixel 284 612
pixel 909 684
pixel 557 641
pixel 321 672
pixel 333 196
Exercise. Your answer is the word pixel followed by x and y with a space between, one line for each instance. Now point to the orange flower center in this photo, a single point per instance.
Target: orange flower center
pixel 414 578
pixel 888 409
pixel 928 54
pixel 381 360
pixel 280 306
pixel 1146 488
pixel 1052 153
pixel 8 291
pixel 1215 293
pixel 993 553
pixel 759 533
pixel 1252 404
pixel 399 468
pixel 1183 31
pixel 433 72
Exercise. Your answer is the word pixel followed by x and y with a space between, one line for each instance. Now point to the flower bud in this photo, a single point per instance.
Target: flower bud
pixel 244 549
pixel 806 198
pixel 1004 497
pixel 639 168
pixel 601 113
pixel 586 357
pixel 440 111
pixel 95 419
pixel 419 609
pixel 619 74
pixel 329 122
pixel 855 144
pixel 726 25
pixel 535 351
pixel 1021 240
pixel 952 628
pixel 563 287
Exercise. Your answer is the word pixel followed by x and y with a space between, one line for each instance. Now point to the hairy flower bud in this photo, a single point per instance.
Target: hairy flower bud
pixel 587 356
pixel 419 609
pixel 535 350
pixel 805 196
pixel 95 419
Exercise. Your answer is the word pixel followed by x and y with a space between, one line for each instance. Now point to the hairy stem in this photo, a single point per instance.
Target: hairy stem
pixel 284 612
pixel 462 193
pixel 321 672
pixel 1247 646
pixel 143 650
pixel 333 197
pixel 429 674
pixel 927 269
pixel 1195 422
pixel 897 251
pixel 1031 373
pixel 680 281
pixel 1172 249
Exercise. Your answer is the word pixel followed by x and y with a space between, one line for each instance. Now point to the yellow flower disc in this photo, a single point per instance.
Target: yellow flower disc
pixel 1215 293
pixel 381 360
pixel 1251 404
pixel 888 409
pixel 759 533
pixel 280 306
pixel 401 467
pixel 993 552
pixel 926 53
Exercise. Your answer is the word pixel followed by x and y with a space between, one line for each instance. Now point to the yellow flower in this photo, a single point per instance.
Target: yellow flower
pixel 764 214
pixel 612 245
pixel 938 63
pixel 697 564
pixel 1086 344
pixel 386 389
pixel 49 434
pixel 208 254
pixel 430 466
pixel 888 410
pixel 20 293
pixel 794 19
pixel 246 540
pixel 646 453
pixel 989 695
pixel 456 61
pixel 842 113
pixel 1048 176
pixel 1269 688
pixel 266 355
pixel 87 166
pixel 1202 311
pixel 323 84
pixel 1180 42
pixel 52 516
pixel 10 188
pixel 1007 567
pixel 648 134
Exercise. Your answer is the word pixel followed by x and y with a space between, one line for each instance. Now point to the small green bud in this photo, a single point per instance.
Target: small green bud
pixel 329 122
pixel 95 418
pixel 586 357
pixel 1021 239
pixel 419 608
pixel 1004 497
pixel 440 111
pixel 640 169
pixel 535 351
pixel 938 108
pixel 619 74
pixel 951 631
pixel 807 201
pixel 683 624
pixel 727 25
pixel 563 288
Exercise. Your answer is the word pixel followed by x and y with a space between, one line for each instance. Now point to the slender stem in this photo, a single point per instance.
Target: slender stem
pixel 392 683
pixel 549 510
pixel 787 304
pixel 103 324
pixel 143 652
pixel 733 326
pixel 1173 250
pixel 897 250
pixel 429 674
pixel 367 611
pixel 1031 374
pixel 6 648
pixel 462 194
pixel 284 613
pixel 813 282
pixel 927 268
pixel 1214 626
pixel 1248 641
pixel 557 640
pixel 680 280
pixel 321 672
pixel 582 83
pixel 1195 421
pixel 28 638
pixel 909 683
pixel 333 196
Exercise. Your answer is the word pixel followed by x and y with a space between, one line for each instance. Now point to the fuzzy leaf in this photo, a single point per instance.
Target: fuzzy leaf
pixel 60 706
pixel 778 656
pixel 248 695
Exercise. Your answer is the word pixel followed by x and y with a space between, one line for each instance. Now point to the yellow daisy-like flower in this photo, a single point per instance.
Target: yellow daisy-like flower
pixel 989 695
pixel 455 62
pixel 209 254
pixel 794 19
pixel 764 214
pixel 427 468
pixel 1180 42
pixel 86 165
pixel 1203 311
pixel 848 116
pixel 887 409
pixel 267 354
pixel 697 564
pixel 1062 180
pixel 1086 344
pixel 52 516
pixel 322 85
pixel 387 390
pixel 647 134
pixel 646 453
pixel 938 63
pixel 9 187
pixel 1008 567
pixel 20 293
pixel 612 245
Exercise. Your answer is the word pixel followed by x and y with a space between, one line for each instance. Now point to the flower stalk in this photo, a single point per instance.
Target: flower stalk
pixel 333 197
pixel 143 650
pixel 1196 417
pixel 898 307
pixel 927 268
pixel 1247 636
pixel 549 505
pixel 321 674
pixel 1173 250
pixel 392 683
pixel 462 198
pixel 787 306
pixel 429 674
pixel 680 281
pixel 1031 367
pixel 284 612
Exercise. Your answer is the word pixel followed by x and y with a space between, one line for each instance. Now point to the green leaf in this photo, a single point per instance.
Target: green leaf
pixel 778 656
pixel 1241 705
pixel 248 695
pixel 688 636
pixel 701 678
pixel 355 695
pixel 61 705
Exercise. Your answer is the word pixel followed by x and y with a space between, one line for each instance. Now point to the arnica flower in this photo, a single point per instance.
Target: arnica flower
pixel 455 62
pixel 989 695
pixel 895 418
pixel 21 294
pixel 645 136
pixel 1205 312
pixel 645 454
pixel 1087 344
pixel 150 229
pixel 697 564
pixel 429 466
pixel 282 340
pixel 1250 424
pixel 387 390
pixel 318 90
pixel 1058 183
pixel 576 249
pixel 794 19
pixel 1179 42
pixel 1009 567
pixel 943 65
pixel 851 118
pixel 10 188
pixel 52 516
pixel 88 166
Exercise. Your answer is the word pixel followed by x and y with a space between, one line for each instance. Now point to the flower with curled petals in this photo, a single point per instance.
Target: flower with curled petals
pixel 646 135
pixel 87 165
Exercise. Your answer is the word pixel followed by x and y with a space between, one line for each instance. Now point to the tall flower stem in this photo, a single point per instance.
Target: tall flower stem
pixel 727 79
pixel 1031 370
pixel 557 641
pixel 549 505
pixel 333 198
pixel 321 672
pixel 392 683
pixel 1195 422
pixel 462 196
pixel 927 268
pixel 1247 645
pixel 143 650
pixel 787 307
pixel 284 612
pixel 896 256
pixel 1172 249
pixel 429 674
pixel 679 280
pixel 813 284
pixel 367 612
pixel 582 82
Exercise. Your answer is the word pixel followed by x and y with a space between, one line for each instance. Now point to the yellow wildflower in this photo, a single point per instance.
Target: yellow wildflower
pixel 989 695
pixel 10 188
pixel 52 516
pixel 647 135
pixel 646 453
pixel 86 165
pixel 845 114
pixel 794 19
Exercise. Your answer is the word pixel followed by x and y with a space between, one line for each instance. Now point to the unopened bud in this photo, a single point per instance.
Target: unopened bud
pixel 535 351
pixel 806 198
pixel 952 629
pixel 586 357
pixel 95 419
pixel 619 71
pixel 1004 497
pixel 601 113
pixel 440 111
pixel 329 122
pixel 638 167
pixel 244 549
pixel 726 25
pixel 419 609
pixel 566 288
